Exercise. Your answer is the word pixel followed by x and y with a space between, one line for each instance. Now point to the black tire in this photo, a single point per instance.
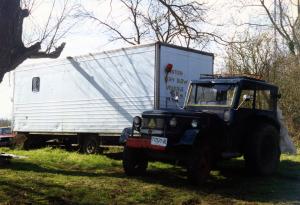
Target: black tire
pixel 200 163
pixel 262 150
pixel 90 145
pixel 29 144
pixel 135 161
pixel 34 143
pixel 68 146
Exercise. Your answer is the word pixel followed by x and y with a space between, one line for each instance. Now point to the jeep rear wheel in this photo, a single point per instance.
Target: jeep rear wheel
pixel 199 164
pixel 135 161
pixel 262 151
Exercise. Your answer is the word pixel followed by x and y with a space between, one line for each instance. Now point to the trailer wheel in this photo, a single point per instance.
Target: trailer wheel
pixel 262 150
pixel 34 142
pixel 90 145
pixel 67 143
pixel 135 161
pixel 199 164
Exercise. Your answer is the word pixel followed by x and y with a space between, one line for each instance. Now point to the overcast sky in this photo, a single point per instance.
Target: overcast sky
pixel 89 38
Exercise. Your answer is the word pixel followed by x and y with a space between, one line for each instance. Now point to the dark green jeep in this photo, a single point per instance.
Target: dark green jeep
pixel 222 117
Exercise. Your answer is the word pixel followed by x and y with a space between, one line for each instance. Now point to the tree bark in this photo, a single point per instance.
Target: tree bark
pixel 12 49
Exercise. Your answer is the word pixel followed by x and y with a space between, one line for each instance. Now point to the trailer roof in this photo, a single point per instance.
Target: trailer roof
pixel 62 60
pixel 153 44
pixel 185 48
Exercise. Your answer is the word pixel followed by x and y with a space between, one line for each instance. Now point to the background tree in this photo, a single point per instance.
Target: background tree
pixel 256 57
pixel 283 19
pixel 285 23
pixel 252 57
pixel 170 21
pixel 5 123
pixel 13 49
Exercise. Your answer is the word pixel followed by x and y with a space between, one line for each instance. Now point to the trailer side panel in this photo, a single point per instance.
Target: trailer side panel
pixel 98 93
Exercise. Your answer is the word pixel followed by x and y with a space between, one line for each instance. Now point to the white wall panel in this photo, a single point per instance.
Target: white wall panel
pixel 93 93
pixel 101 93
pixel 187 66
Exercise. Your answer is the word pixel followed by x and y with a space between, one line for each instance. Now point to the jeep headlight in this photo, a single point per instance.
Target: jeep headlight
pixel 194 124
pixel 227 116
pixel 137 123
pixel 173 122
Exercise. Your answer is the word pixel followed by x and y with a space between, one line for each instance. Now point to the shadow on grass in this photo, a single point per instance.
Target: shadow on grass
pixel 115 155
pixel 230 180
pixel 28 166
pixel 233 181
pixel 31 192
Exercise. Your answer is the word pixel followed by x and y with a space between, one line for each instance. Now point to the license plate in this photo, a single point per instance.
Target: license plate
pixel 159 141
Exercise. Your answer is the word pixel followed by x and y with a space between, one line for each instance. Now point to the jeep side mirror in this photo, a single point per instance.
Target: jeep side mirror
pixel 176 98
pixel 247 98
pixel 279 95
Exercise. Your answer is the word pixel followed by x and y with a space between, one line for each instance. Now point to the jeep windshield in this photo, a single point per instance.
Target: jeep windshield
pixel 217 95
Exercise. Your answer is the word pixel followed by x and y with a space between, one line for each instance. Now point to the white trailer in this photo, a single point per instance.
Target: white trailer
pixel 94 97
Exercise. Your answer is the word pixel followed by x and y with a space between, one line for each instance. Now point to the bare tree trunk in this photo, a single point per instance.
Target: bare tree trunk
pixel 12 49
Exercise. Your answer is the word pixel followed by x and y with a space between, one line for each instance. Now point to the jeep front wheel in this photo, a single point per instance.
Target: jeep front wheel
pixel 199 164
pixel 135 161
pixel 262 150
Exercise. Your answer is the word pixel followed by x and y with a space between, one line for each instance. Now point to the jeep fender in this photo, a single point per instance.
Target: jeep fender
pixel 126 133
pixel 259 119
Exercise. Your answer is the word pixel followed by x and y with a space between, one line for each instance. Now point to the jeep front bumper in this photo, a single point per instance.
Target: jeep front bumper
pixel 152 143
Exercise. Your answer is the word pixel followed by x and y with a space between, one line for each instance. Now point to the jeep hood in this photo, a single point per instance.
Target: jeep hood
pixel 179 113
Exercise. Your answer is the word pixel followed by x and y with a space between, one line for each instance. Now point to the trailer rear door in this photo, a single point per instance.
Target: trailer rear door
pixel 187 65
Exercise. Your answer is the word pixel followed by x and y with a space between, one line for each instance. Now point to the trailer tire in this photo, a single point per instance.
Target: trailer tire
pixel 135 161
pixel 34 142
pixel 90 145
pixel 262 150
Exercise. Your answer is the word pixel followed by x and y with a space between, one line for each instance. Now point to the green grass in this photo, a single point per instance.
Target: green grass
pixel 53 176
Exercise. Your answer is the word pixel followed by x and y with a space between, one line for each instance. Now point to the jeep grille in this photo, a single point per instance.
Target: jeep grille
pixel 153 123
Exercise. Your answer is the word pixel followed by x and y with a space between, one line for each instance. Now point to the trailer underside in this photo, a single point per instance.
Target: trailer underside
pixel 89 143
